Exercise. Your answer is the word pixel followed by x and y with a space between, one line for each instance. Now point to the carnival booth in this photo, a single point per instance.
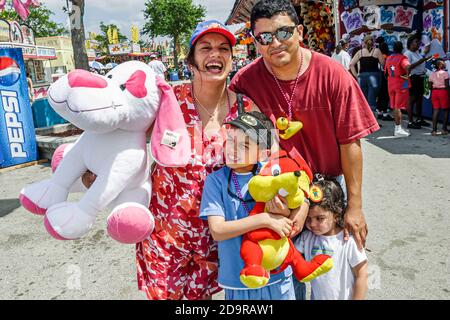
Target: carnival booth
pixel 394 20
pixel 245 41
pixel 122 52
pixel 316 17
pixel 37 62
pixel 37 58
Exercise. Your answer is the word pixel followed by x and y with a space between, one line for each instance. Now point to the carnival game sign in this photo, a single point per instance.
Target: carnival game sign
pixel 120 48
pixel 17 137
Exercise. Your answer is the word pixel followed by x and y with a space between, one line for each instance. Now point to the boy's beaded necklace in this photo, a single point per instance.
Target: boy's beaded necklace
pixel 238 191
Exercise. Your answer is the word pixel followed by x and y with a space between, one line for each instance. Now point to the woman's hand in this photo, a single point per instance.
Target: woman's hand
pixel 278 205
pixel 88 178
pixel 279 224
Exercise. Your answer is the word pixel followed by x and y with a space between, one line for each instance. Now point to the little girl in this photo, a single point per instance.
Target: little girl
pixel 439 95
pixel 348 278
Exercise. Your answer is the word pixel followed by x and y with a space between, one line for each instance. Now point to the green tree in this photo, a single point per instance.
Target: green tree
pixel 39 20
pixel 102 38
pixel 172 18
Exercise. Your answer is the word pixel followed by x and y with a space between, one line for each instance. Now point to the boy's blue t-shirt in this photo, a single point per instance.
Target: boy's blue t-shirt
pixel 217 202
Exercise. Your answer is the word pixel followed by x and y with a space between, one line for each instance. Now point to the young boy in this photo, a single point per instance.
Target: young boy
pixel 226 204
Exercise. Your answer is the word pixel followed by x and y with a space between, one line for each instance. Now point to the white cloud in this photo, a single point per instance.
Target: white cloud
pixel 126 13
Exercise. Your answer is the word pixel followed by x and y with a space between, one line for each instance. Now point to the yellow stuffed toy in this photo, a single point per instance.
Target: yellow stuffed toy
pixel 263 250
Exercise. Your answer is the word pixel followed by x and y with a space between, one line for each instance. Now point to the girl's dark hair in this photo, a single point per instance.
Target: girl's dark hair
pixel 269 8
pixel 333 198
pixel 398 47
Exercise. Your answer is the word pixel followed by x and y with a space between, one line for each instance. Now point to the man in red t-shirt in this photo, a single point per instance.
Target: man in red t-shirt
pixel 293 82
pixel 397 70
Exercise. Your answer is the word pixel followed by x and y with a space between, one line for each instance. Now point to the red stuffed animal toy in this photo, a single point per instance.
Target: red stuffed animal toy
pixel 263 250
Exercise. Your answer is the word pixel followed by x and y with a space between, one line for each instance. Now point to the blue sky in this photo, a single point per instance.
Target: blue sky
pixel 125 13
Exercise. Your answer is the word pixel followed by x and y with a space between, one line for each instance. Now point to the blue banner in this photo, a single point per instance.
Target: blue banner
pixel 17 136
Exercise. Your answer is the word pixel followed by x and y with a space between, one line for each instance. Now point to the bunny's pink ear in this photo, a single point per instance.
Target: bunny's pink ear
pixel 170 142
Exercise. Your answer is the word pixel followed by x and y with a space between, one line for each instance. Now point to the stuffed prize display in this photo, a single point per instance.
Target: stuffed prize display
pixel 115 111
pixel 263 250
pixel 318 21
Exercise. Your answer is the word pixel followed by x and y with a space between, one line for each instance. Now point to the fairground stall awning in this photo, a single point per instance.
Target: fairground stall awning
pixel 32 51
pixel 316 16
pixel 242 9
pixel 14 35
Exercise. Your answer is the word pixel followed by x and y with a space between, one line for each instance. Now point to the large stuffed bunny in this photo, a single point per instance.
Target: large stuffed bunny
pixel 115 111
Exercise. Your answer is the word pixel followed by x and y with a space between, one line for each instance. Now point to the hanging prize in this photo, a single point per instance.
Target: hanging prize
pixel 289 127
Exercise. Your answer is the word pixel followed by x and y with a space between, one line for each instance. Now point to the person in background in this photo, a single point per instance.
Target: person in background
pixel 234 68
pixel 158 67
pixel 30 88
pixel 341 55
pixel 417 77
pixel 383 95
pixel 440 96
pixel 369 59
pixel 397 70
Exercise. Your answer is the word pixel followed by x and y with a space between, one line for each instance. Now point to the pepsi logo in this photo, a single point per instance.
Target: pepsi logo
pixel 9 71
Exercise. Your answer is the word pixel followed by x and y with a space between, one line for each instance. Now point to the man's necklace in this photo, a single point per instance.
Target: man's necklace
pixel 289 127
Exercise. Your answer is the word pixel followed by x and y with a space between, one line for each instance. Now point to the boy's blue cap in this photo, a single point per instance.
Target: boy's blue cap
pixel 211 26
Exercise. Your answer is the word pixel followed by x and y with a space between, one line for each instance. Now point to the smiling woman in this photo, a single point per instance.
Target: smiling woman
pixel 179 259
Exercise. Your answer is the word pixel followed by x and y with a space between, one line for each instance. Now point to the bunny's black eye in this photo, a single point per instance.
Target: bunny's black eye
pixel 110 76
pixel 123 87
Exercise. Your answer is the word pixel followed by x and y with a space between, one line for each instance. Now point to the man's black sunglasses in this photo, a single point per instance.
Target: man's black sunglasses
pixel 282 34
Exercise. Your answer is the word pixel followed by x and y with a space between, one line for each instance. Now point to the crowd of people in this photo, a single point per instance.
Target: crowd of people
pixel 396 80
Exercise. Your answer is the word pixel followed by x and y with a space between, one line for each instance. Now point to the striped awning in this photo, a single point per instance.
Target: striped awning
pixel 242 9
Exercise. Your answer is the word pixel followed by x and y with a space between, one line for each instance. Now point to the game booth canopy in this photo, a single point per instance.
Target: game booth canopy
pixel 326 22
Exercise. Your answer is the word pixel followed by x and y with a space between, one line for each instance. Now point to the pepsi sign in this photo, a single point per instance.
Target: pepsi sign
pixel 9 71
pixel 17 136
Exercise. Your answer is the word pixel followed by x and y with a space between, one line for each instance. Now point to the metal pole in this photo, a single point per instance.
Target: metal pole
pixel 337 23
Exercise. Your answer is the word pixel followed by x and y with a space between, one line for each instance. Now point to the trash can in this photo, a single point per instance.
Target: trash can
pixel 174 76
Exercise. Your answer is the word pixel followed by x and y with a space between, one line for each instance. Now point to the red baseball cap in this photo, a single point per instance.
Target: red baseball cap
pixel 211 26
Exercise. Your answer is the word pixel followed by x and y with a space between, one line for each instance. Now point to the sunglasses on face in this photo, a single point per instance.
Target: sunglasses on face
pixel 282 34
